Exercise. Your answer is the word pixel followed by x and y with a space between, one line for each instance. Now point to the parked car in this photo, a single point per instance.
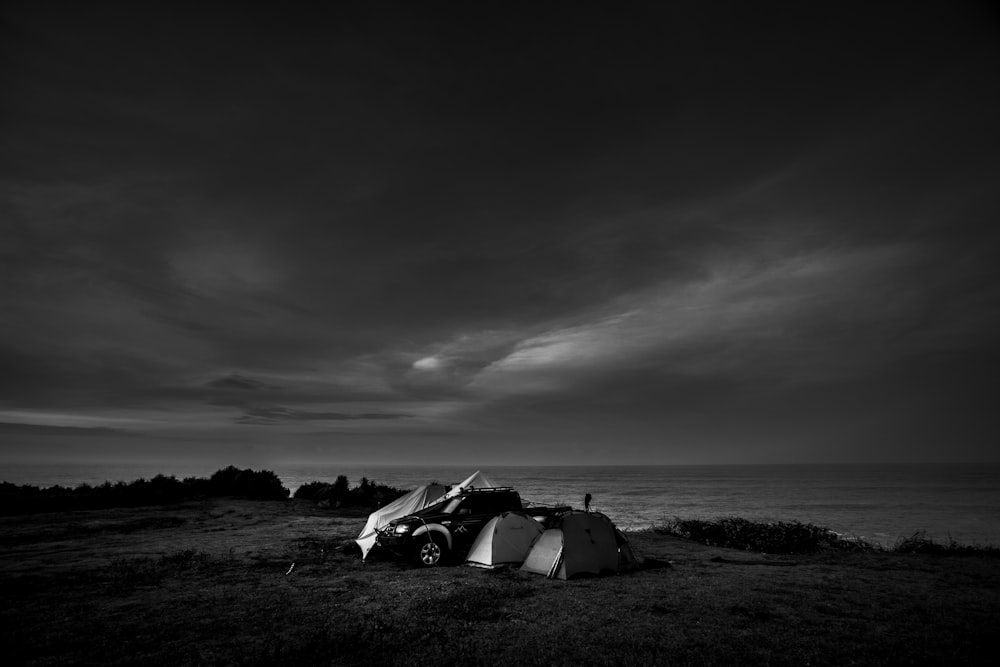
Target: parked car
pixel 448 528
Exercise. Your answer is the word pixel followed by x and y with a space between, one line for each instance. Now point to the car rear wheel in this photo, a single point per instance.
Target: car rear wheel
pixel 432 551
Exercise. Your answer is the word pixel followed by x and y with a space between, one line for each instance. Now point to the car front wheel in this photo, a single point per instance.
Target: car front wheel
pixel 431 552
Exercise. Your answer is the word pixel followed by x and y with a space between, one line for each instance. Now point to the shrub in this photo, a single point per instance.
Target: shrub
pixel 920 543
pixel 766 537
pixel 339 494
pixel 314 491
pixel 259 485
pixel 160 490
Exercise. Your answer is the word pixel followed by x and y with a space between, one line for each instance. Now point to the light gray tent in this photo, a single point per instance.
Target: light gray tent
pixel 505 540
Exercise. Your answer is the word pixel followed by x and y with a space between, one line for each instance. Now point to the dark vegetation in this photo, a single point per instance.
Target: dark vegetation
pixel 339 494
pixel 776 538
pixel 160 490
pixel 919 543
pixel 782 537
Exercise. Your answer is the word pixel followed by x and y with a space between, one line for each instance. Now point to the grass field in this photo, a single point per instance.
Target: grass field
pixel 212 582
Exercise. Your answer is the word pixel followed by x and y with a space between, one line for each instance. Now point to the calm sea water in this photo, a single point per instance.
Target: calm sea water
pixel 881 503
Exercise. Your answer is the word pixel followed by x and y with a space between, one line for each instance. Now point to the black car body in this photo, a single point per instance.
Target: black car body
pixel 447 528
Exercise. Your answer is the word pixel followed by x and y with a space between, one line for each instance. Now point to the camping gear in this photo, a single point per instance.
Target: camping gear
pixel 505 540
pixel 580 543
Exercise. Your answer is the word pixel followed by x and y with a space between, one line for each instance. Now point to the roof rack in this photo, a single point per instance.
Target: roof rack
pixel 484 489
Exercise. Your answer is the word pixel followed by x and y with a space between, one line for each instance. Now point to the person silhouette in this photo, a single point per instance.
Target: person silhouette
pixel 586 502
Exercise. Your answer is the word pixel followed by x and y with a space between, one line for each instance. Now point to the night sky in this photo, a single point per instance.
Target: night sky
pixel 686 232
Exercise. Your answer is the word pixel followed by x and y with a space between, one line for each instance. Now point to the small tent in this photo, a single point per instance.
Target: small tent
pixel 581 543
pixel 505 540
pixel 627 560
pixel 415 500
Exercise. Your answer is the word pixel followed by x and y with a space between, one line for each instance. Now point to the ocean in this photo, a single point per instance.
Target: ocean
pixel 879 503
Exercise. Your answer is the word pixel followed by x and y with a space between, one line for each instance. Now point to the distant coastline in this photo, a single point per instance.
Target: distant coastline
pixel 881 503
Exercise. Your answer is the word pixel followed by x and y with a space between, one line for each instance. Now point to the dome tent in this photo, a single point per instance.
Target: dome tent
pixel 505 540
pixel 581 543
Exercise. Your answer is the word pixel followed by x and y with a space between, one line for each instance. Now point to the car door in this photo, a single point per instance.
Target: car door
pixel 469 518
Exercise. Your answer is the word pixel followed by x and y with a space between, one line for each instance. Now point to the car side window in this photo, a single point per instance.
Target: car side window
pixel 477 504
pixel 490 504
pixel 485 503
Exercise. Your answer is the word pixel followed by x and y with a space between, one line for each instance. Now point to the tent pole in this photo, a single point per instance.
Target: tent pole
pixel 555 564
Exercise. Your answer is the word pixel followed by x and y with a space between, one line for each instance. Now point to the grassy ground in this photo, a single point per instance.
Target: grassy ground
pixel 209 583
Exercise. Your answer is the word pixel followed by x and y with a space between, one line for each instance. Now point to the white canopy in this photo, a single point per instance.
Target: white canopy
pixel 415 500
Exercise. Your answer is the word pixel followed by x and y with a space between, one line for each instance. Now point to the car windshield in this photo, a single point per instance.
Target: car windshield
pixel 444 507
pixel 436 508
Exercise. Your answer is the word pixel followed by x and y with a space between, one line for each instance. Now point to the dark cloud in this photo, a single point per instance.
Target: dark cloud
pixel 14 429
pixel 558 228
pixel 276 414
pixel 237 382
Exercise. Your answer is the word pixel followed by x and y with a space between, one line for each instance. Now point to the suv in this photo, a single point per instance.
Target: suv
pixel 448 527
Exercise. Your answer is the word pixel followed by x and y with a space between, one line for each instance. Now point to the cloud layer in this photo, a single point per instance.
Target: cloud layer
pixel 687 234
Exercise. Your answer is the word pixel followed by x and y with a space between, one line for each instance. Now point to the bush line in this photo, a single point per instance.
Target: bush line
pixel 163 490
pixel 783 537
pixel 160 490
pixel 339 494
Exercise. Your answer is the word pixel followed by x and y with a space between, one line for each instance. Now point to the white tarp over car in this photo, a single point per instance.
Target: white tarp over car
pixel 415 500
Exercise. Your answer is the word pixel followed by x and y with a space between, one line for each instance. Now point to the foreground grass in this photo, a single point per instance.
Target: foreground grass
pixel 213 583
